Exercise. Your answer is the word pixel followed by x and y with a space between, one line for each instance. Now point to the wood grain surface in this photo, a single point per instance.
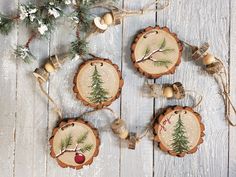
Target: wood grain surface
pixel 27 118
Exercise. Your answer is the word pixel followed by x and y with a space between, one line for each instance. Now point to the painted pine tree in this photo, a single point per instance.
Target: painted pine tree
pixel 180 141
pixel 98 93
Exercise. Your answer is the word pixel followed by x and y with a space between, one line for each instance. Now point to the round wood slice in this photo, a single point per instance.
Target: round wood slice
pixel 98 82
pixel 74 143
pixel 179 130
pixel 156 52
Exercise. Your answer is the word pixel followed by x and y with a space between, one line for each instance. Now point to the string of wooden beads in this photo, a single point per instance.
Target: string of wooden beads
pixel 169 91
pixel 51 65
pixel 120 129
pixel 211 63
pixel 101 24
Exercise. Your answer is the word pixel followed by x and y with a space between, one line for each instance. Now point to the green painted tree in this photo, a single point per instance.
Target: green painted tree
pixel 180 141
pixel 98 93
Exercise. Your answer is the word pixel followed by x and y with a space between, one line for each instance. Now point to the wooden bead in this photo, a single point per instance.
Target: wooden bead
pixel 108 18
pixel 200 52
pixel 208 59
pixel 117 16
pixel 132 140
pixel 168 92
pixel 119 127
pixel 100 24
pixel 42 74
pixel 213 68
pixel 49 67
pixel 155 90
pixel 57 62
pixel 178 90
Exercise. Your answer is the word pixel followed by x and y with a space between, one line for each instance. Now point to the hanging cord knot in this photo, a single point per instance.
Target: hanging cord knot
pixel 221 78
pixel 196 100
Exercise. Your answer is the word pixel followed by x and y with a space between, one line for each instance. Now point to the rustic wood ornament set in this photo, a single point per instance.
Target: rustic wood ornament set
pixel 98 82
pixel 155 51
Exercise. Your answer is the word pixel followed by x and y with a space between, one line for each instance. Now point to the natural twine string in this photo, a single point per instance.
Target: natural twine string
pixel 222 80
pixel 56 108
pixel 110 6
pixel 139 137
pixel 146 9
pixel 58 111
pixel 195 103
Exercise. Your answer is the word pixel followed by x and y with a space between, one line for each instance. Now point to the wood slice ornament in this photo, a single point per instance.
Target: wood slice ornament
pixel 179 131
pixel 74 143
pixel 98 82
pixel 156 52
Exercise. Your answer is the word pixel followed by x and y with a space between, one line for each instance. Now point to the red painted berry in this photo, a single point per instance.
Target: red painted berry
pixel 79 158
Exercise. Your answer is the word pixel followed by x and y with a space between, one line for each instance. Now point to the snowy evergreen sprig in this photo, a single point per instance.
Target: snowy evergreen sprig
pixel 42 20
pixel 6 24
pixel 24 53
pixel 78 47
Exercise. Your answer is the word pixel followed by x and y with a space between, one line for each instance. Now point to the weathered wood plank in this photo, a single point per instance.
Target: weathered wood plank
pixel 61 85
pixel 8 96
pixel 106 45
pixel 60 89
pixel 31 123
pixel 137 110
pixel 197 22
pixel 232 72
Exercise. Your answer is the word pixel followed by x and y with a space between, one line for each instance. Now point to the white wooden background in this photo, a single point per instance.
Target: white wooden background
pixel 26 119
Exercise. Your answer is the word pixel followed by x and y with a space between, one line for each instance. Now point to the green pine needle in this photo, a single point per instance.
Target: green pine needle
pixel 146 51
pixel 166 51
pixel 87 147
pixel 180 141
pixel 82 138
pixel 98 94
pixel 85 18
pixel 40 20
pixel 162 63
pixel 163 44
pixel 67 141
pixel 24 53
pixel 79 47
pixel 6 24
